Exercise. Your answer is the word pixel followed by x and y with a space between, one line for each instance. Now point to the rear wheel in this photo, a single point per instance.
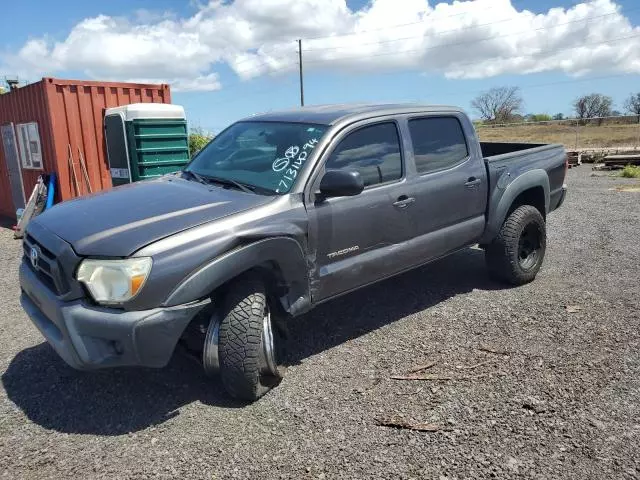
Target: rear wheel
pixel 249 344
pixel 516 254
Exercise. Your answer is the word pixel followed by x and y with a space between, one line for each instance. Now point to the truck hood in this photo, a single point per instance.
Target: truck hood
pixel 119 221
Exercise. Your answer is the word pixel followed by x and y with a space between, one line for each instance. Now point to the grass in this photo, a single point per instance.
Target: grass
pixel 589 136
pixel 630 171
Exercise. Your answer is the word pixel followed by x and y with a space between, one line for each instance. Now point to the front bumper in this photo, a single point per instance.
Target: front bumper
pixel 89 337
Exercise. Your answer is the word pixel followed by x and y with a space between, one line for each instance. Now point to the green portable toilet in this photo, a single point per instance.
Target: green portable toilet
pixel 145 140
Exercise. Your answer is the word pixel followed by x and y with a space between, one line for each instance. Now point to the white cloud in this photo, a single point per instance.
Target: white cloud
pixel 465 39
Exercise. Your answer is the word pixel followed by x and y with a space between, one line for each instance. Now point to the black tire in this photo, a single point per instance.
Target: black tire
pixel 516 254
pixel 246 371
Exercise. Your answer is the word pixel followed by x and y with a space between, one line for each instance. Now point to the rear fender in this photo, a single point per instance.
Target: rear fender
pixel 504 194
pixel 282 252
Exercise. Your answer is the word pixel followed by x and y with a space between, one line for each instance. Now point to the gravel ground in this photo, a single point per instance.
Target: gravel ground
pixel 563 402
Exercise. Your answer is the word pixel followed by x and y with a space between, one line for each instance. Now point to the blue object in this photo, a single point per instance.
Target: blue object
pixel 50 191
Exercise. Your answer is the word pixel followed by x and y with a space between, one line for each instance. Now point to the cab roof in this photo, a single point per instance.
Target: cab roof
pixel 332 114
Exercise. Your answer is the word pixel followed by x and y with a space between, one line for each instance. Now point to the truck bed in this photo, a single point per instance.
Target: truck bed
pixel 493 149
pixel 507 162
pixel 518 158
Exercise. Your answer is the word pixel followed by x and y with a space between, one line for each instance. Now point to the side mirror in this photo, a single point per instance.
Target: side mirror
pixel 341 183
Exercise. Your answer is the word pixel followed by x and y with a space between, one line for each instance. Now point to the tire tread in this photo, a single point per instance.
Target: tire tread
pixel 502 253
pixel 240 340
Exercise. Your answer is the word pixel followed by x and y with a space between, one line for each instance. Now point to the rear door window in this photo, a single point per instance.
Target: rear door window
pixel 373 151
pixel 438 143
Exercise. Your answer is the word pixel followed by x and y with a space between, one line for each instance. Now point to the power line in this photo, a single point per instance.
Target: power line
pixel 442 45
pixel 536 54
pixel 264 62
pixel 540 53
pixel 389 27
pixel 422 50
pixel 434 47
pixel 464 29
pixel 263 91
pixel 379 42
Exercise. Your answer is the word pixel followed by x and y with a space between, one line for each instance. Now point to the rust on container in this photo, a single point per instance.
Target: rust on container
pixel 69 113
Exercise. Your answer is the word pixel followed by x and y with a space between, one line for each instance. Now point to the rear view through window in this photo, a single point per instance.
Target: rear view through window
pixel 438 143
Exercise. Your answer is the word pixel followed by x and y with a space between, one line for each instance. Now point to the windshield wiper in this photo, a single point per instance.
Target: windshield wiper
pixel 228 181
pixel 208 180
pixel 198 178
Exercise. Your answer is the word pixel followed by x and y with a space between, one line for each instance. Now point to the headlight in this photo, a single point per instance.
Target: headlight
pixel 114 281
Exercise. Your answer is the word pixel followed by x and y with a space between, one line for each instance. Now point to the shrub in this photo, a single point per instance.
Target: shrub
pixel 198 139
pixel 540 117
pixel 630 171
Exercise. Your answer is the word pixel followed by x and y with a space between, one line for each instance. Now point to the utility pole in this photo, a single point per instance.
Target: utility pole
pixel 301 82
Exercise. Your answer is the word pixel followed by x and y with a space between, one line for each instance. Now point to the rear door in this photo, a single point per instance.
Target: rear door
pixel 449 185
pixel 10 148
pixel 117 150
pixel 357 238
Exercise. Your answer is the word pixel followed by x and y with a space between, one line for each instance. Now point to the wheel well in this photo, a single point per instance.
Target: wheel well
pixel 272 277
pixel 275 285
pixel 534 197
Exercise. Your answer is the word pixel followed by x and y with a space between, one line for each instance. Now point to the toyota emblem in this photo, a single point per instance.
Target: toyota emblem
pixel 33 256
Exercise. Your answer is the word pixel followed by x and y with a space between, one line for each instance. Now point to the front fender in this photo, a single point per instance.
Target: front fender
pixel 284 252
pixel 506 192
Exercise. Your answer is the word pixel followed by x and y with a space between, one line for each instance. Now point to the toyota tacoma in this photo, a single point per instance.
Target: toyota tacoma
pixel 280 212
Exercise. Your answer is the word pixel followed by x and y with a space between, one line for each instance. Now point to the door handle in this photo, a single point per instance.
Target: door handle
pixel 472 182
pixel 403 201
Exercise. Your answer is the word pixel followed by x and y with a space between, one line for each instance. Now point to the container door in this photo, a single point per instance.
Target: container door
pixel 117 152
pixel 13 164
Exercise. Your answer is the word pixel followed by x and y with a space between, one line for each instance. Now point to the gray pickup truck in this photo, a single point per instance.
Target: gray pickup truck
pixel 280 212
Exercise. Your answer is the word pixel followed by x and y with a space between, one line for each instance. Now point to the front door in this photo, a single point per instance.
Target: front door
pixel 10 148
pixel 358 238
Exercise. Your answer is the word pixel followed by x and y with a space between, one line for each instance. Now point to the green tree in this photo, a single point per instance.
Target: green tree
pixel 198 139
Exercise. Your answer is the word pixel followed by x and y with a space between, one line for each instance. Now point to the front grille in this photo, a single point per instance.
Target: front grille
pixel 47 268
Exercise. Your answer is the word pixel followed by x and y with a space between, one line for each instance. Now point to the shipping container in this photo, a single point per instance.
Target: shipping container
pixel 45 123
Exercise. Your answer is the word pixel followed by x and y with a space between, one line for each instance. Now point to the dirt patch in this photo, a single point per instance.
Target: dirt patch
pixel 627 188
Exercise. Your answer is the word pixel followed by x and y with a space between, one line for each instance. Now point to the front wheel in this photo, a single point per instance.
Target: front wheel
pixel 516 254
pixel 249 344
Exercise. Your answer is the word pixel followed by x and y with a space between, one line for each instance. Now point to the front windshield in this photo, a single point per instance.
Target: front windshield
pixel 266 155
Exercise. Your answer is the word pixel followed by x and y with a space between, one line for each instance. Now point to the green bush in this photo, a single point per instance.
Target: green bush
pixel 540 117
pixel 630 172
pixel 197 141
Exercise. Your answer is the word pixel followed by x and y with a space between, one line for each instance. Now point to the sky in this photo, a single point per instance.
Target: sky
pixel 228 59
